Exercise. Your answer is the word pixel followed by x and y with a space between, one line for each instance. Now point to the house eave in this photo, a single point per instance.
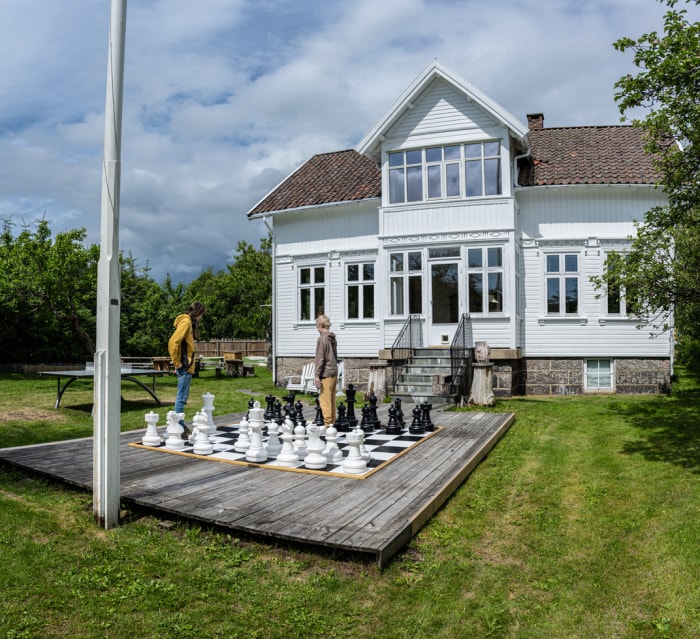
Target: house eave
pixel 310 207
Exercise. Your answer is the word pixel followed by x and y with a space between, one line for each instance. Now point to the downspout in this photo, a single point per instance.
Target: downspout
pixel 273 319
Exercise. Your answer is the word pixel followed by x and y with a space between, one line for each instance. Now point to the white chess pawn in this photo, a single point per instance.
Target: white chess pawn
pixel 287 456
pixel 174 430
pixel 354 463
pixel 202 446
pixel 300 440
pixel 332 452
pixel 315 459
pixel 243 442
pixel 151 438
pixel 274 445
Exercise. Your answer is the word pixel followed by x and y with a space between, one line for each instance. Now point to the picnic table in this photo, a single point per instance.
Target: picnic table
pixel 127 373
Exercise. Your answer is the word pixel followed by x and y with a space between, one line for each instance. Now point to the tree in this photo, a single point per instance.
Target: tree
pixel 662 268
pixel 48 281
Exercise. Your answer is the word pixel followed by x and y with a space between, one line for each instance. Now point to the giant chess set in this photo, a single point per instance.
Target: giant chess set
pixel 280 437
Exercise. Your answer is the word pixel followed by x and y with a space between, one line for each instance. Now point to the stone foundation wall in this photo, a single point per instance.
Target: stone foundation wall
pixel 506 378
pixel 565 376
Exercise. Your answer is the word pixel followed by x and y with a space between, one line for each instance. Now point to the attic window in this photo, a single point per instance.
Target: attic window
pixel 445 172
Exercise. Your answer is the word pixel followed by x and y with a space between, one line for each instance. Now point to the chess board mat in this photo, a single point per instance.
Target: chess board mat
pixel 382 448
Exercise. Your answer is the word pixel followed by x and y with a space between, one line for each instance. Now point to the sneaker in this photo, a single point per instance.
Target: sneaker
pixel 186 433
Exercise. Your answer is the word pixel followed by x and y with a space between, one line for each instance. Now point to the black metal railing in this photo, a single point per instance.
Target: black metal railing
pixel 409 338
pixel 461 357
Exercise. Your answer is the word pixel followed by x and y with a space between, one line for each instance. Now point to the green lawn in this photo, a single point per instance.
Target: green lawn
pixel 584 521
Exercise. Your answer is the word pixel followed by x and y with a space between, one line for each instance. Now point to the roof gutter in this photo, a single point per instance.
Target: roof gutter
pixel 310 207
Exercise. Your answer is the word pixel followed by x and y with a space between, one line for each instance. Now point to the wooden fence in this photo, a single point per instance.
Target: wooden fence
pixel 217 347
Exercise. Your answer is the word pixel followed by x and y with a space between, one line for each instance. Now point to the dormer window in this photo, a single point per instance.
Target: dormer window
pixel 445 172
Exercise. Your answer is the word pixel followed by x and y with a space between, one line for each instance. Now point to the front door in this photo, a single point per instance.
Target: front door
pixel 444 304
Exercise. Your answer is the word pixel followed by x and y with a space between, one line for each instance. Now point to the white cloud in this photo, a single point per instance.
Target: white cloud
pixel 223 98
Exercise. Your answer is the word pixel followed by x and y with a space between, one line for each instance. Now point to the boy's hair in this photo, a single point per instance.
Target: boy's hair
pixel 322 321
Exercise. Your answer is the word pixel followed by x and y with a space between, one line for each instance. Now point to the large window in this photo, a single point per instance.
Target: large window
pixel 442 172
pixel 359 287
pixel 406 283
pixel 620 300
pixel 485 279
pixel 562 283
pixel 312 292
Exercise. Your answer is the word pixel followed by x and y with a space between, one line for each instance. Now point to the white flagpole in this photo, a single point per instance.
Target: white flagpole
pixel 107 411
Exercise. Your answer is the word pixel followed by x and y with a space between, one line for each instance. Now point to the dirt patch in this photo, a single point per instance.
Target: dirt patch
pixel 27 415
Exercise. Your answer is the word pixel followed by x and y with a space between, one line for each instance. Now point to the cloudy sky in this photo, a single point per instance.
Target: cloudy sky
pixel 224 98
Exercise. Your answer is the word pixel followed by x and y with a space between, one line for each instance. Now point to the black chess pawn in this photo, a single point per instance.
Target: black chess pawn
pixel 319 414
pixel 417 427
pixel 299 413
pixel 350 399
pixel 393 426
pixel 399 412
pixel 373 411
pixel 366 423
pixel 427 423
pixel 341 422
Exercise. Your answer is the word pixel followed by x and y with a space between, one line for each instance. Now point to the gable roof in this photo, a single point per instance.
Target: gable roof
pixel 587 155
pixel 371 144
pixel 341 176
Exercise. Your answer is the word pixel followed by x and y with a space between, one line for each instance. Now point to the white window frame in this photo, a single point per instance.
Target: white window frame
pixel 622 293
pixel 312 285
pixel 586 375
pixel 403 278
pixel 361 284
pixel 486 269
pixel 561 275
pixel 411 172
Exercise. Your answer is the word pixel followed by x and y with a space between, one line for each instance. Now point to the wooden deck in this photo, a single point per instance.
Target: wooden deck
pixel 375 516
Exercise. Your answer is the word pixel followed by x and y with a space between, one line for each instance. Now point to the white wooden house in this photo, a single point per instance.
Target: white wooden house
pixel 451 208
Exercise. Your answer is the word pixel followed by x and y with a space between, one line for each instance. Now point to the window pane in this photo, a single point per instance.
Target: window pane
pixel 614 299
pixel 492 148
pixel 414 184
pixel 452 178
pixel 495 256
pixel 571 263
pixel 476 293
pixel 495 292
pixel 305 304
pixel 319 275
pixel 305 276
pixel 368 301
pixel 434 181
pixel 571 295
pixel 492 175
pixel 414 157
pixel 475 258
pixel 445 293
pixel 353 272
pixel 396 262
pixel 434 154
pixel 444 251
pixel 396 159
pixel 353 302
pixel 415 295
pixel 473 178
pixel 415 261
pixel 552 295
pixel 452 152
pixel 397 296
pixel 319 302
pixel 396 186
pixel 472 150
pixel 552 264
pixel 367 272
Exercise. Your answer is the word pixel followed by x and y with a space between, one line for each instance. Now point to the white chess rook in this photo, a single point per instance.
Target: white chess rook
pixel 151 438
pixel 354 463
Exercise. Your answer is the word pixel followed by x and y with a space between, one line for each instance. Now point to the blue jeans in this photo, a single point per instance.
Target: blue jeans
pixel 184 379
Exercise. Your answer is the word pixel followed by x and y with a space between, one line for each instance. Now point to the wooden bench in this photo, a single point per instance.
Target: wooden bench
pixel 233 360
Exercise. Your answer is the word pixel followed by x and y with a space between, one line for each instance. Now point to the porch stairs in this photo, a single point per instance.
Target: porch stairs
pixel 415 382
